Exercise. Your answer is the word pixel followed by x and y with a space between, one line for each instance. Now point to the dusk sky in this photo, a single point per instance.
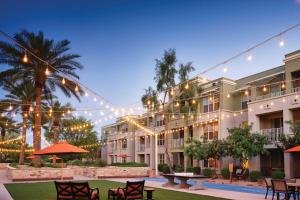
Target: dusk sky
pixel 120 39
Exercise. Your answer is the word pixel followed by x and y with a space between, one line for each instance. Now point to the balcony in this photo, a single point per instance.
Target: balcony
pixel 272 134
pixel 270 95
pixel 178 143
pixel 295 90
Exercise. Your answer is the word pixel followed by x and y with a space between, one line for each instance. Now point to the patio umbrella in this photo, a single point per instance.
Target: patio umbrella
pixel 53 157
pixel 60 148
pixel 123 156
pixel 293 150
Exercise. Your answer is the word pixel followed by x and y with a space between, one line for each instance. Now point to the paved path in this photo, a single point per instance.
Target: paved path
pixel 4 194
pixel 209 192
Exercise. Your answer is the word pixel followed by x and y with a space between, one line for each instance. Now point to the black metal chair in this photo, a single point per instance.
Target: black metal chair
pixel 132 190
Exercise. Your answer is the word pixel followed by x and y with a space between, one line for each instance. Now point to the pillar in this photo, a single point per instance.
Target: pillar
pixel 288 165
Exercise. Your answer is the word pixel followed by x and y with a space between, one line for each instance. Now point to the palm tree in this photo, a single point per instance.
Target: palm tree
pixel 149 98
pixel 21 95
pixel 184 71
pixel 56 114
pixel 58 70
pixel 165 72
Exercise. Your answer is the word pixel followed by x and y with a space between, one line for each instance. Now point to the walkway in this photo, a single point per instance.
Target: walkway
pixel 209 192
pixel 4 194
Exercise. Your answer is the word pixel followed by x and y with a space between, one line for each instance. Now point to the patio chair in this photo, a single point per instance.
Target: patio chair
pixel 280 187
pixel 132 190
pixel 241 174
pixel 76 190
pixel 268 186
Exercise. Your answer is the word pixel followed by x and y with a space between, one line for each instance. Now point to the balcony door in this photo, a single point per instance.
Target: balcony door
pixel 277 122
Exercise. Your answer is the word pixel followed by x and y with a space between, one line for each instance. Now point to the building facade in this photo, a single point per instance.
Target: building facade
pixel 265 101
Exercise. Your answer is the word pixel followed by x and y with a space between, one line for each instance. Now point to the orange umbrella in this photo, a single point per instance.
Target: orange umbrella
pixel 123 156
pixel 294 149
pixel 60 148
pixel 31 157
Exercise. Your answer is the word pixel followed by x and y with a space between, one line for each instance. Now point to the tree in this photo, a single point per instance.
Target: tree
pixel 58 70
pixel 184 71
pixel 165 72
pixel 289 141
pixel 20 97
pixel 77 131
pixel 243 145
pixel 149 98
pixel 217 149
pixel 56 113
pixel 197 150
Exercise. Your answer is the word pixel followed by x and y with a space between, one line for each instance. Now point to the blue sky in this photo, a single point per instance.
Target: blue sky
pixel 120 39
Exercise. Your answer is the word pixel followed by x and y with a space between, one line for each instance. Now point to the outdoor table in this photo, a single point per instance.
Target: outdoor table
pixel 183 180
pixel 149 192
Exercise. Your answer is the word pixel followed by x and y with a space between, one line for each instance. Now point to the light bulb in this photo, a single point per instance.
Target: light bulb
pixel 95 99
pixel 86 94
pixel 228 95
pixel 63 81
pixel 47 72
pixel 249 58
pixel 76 88
pixel 246 92
pixel 25 58
pixel 210 98
pixel 264 88
pixel 193 101
pixel 281 43
pixel 283 85
pixel 10 107
pixel 172 92
pixel 225 69
pixel 148 102
pixel 186 86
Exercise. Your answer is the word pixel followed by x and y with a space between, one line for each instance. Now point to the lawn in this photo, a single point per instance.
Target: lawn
pixel 46 191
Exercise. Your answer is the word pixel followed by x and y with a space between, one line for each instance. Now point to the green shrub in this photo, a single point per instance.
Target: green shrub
pixel 225 173
pixel 14 165
pixel 278 174
pixel 195 170
pixel 178 169
pixel 254 176
pixel 207 172
pixel 130 164
pixel 166 169
pixel 161 166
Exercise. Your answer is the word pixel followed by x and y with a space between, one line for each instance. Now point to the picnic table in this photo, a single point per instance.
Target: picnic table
pixel 183 178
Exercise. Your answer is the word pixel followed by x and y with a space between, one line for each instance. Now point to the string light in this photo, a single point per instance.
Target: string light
pixel 187 86
pixel 265 88
pixel 76 88
pixel 228 95
pixel 225 69
pixel 193 101
pixel 249 57
pixel 25 58
pixel 246 92
pixel 282 85
pixel 47 72
pixel 63 81
pixel 10 107
pixel 281 43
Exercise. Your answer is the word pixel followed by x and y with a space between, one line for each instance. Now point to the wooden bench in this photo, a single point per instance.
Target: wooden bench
pixel 76 190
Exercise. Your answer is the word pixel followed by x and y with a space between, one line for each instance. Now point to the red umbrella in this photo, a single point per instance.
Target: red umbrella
pixel 60 148
pixel 31 157
pixel 293 150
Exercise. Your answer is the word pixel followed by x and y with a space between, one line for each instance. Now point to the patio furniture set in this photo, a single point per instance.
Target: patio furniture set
pixel 287 188
pixel 82 190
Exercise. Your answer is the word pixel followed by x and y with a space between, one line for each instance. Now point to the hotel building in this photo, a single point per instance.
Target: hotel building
pixel 264 100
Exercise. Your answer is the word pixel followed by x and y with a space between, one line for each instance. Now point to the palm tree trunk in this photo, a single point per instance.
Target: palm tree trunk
pixel 55 137
pixel 37 124
pixel 166 136
pixel 22 153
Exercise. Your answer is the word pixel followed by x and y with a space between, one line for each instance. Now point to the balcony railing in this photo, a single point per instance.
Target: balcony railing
pixel 142 147
pixel 272 134
pixel 270 95
pixel 297 89
pixel 178 143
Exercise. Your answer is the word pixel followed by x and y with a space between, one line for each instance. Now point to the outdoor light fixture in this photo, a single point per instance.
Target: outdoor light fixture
pixel 265 88
pixel 25 58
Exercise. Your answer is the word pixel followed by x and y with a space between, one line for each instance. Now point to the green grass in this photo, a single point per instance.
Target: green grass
pixel 46 191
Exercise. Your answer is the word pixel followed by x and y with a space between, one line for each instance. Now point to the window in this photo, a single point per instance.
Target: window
pixel 148 140
pixel 205 104
pixel 160 122
pixel 124 160
pixel 210 103
pixel 191 132
pixel 124 144
pixel 161 158
pixel 161 140
pixel 245 99
pixel 210 131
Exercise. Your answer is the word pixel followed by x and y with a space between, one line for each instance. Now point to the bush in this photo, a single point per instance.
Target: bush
pixel 225 173
pixel 161 166
pixel 178 169
pixel 165 169
pixel 130 164
pixel 254 176
pixel 195 170
pixel 278 174
pixel 207 172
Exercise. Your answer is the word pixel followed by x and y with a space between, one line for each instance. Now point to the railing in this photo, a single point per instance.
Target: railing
pixel 142 147
pixel 270 95
pixel 178 143
pixel 272 134
pixel 297 89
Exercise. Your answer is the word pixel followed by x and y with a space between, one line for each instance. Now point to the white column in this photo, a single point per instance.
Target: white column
pixel 287 116
pixel 156 155
pixel 288 165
